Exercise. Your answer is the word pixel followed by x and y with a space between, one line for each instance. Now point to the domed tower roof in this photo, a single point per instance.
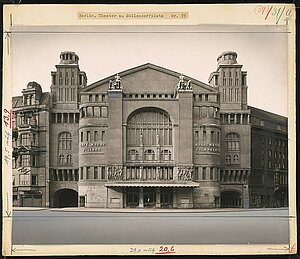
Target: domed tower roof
pixel 227 58
pixel 68 57
pixel 34 85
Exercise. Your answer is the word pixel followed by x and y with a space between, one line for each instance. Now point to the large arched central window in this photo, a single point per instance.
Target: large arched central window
pixel 149 127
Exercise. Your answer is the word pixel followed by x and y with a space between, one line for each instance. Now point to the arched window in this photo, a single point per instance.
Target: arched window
pixel 133 155
pixel 232 141
pixel 149 126
pixel 165 155
pixel 149 155
pixel 69 159
pixel 236 159
pixel 228 160
pixel 61 159
pixel 65 141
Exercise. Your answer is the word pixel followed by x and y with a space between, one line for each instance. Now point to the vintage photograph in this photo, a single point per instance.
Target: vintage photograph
pixel 150 135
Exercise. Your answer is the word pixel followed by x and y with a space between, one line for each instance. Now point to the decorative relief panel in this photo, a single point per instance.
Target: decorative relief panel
pixel 185 173
pixel 115 173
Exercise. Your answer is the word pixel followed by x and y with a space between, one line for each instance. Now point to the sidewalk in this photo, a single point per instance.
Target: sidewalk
pixel 141 210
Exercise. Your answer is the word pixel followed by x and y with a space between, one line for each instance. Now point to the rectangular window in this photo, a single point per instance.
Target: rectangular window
pixel 34 179
pixel 24 179
pixel 211 174
pixel 89 111
pixel 81 136
pixel 95 172
pixel 71 117
pixel 76 117
pixel 90 98
pixel 81 173
pixel 102 135
pixel 104 111
pixel 65 118
pixel 88 172
pixel 212 136
pixel 204 173
pixel 88 136
pixel 196 173
pixel 95 135
pixel 196 136
pixel 25 160
pixel 97 98
pixel 103 172
pixel 204 135
pixel 58 115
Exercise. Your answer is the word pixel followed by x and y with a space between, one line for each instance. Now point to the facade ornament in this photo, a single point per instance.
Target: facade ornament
pixel 115 84
pixel 115 173
pixel 157 139
pixel 141 139
pixel 185 173
pixel 158 172
pixel 184 84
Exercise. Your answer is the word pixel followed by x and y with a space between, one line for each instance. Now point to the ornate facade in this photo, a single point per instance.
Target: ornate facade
pixel 146 137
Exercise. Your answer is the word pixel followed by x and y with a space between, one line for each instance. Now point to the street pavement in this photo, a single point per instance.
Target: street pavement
pixel 144 226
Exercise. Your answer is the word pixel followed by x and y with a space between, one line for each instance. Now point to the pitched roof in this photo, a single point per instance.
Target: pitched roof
pixel 144 67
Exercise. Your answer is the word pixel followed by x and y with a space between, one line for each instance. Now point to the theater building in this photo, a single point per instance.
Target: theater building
pixel 147 137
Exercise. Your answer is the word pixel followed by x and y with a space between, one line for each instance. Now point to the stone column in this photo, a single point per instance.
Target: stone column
pixel 141 197
pixel 246 201
pixel 158 197
pixel 228 118
pixel 174 198
pixel 124 198
pixel 235 119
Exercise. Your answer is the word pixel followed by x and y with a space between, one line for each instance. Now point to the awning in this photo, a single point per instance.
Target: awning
pixel 152 184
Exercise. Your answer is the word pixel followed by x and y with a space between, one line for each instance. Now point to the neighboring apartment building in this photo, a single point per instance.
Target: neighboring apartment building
pixel 147 137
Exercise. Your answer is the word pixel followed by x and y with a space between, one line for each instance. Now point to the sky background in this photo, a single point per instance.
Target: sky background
pixel 263 56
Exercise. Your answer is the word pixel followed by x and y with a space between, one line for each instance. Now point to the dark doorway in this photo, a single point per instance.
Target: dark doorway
pixel 66 198
pixel 166 198
pixel 132 197
pixel 281 198
pixel 231 199
pixel 149 197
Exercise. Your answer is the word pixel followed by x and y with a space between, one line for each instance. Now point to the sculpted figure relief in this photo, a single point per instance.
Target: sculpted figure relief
pixel 183 83
pixel 116 83
pixel 185 173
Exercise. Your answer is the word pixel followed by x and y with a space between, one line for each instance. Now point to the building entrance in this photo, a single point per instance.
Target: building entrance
pixel 66 198
pixel 231 199
pixel 166 199
pixel 149 198
pixel 132 198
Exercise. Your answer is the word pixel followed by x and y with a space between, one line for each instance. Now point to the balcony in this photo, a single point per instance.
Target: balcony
pixel 27 126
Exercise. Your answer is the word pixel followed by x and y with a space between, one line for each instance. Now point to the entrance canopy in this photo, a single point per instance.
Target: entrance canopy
pixel 151 184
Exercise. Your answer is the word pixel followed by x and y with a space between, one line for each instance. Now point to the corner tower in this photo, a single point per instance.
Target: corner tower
pixel 235 142
pixel 67 81
pixel 231 80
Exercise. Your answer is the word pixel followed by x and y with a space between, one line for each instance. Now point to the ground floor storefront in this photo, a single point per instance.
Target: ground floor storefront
pixel 149 198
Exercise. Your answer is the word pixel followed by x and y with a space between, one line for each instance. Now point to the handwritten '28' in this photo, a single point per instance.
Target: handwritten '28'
pixel 280 13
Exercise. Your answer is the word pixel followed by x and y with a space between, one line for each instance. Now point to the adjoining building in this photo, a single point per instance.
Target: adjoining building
pixel 147 137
